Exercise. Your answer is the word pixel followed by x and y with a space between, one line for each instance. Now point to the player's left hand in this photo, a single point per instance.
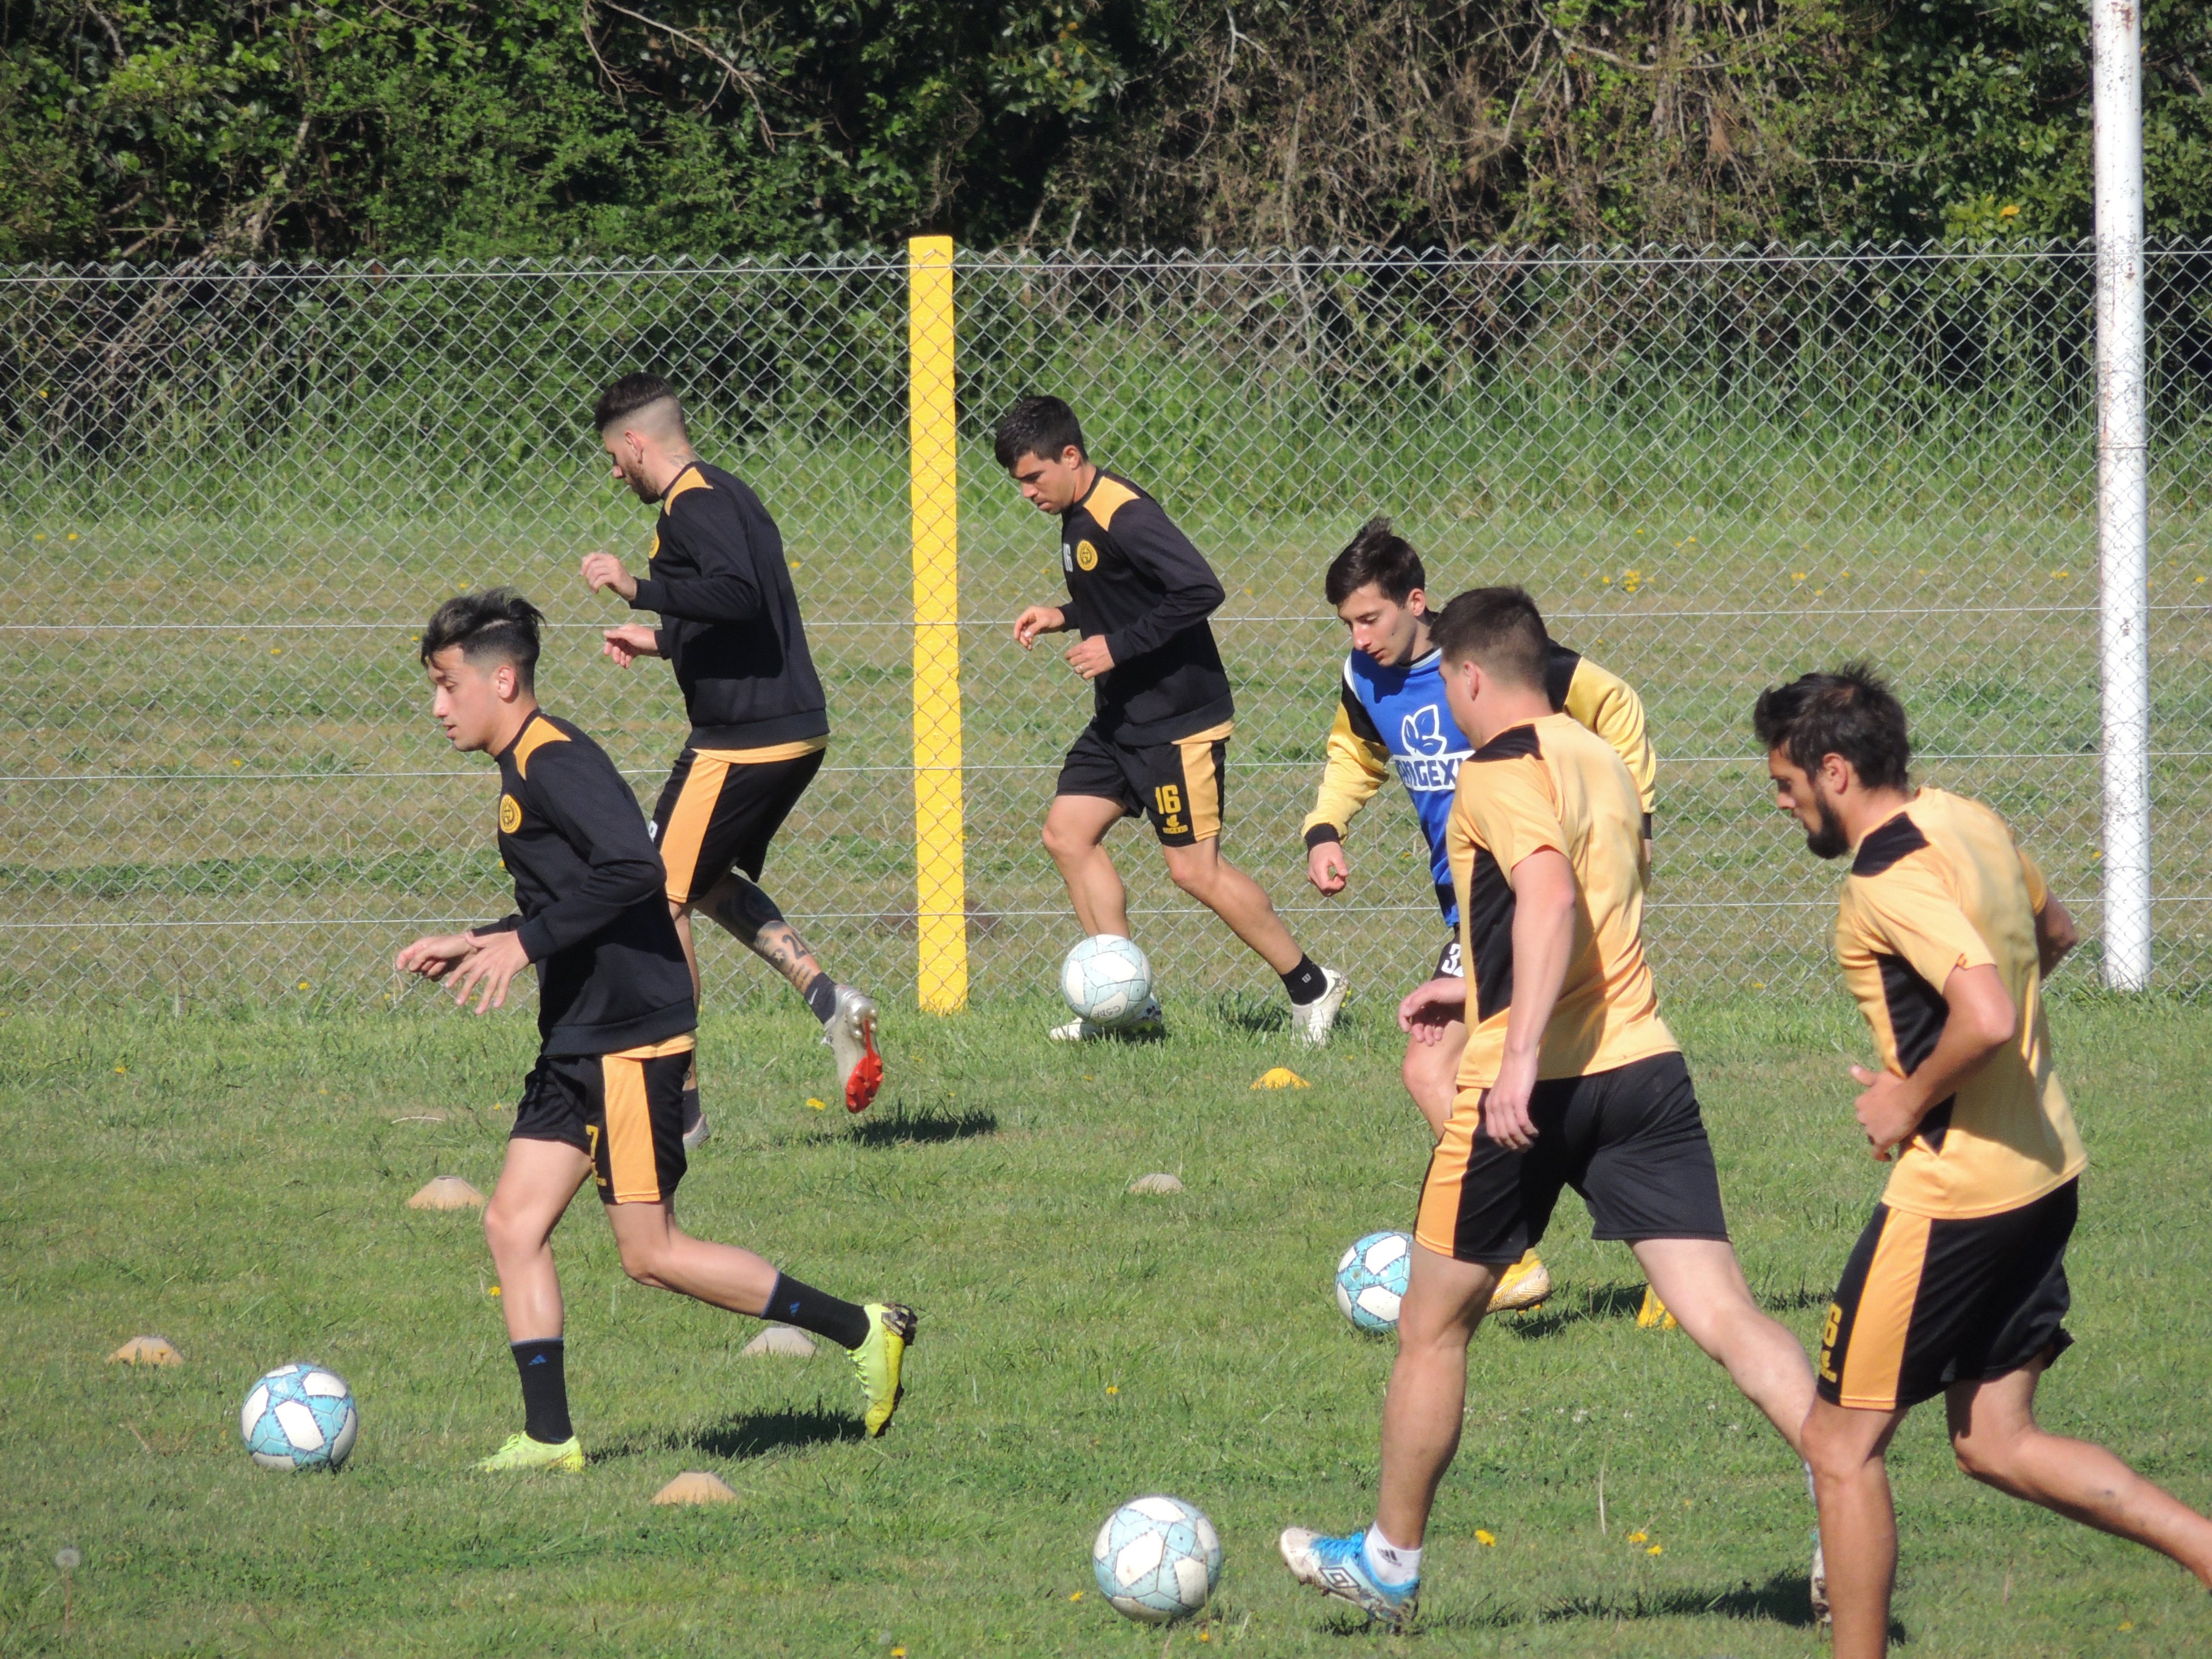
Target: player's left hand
pixel 1887 1111
pixel 1090 658
pixel 604 570
pixel 1431 1006
pixel 493 961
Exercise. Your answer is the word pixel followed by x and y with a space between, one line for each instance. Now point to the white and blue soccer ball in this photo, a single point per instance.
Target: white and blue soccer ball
pixel 1106 980
pixel 300 1416
pixel 1157 1559
pixel 1371 1277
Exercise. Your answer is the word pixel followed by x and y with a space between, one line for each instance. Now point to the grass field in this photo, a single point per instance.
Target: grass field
pixel 238 1187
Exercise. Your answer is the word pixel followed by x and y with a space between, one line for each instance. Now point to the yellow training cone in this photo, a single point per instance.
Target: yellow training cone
pixel 146 1351
pixel 446 1193
pixel 1281 1077
pixel 696 1486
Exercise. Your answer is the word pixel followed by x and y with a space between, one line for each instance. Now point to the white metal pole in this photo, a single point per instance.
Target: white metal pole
pixel 2123 491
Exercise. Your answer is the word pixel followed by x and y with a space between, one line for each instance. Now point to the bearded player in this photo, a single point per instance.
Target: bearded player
pixel 1958 1286
pixel 1569 1078
pixel 1138 594
pixel 615 1015
pixel 730 629
pixel 1394 716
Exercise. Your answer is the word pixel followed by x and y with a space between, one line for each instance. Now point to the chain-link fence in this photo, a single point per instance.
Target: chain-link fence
pixel 232 497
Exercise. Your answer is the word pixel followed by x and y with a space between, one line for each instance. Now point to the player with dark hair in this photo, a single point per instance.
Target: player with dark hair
pixel 730 627
pixel 615 1015
pixel 1158 743
pixel 1569 1078
pixel 1958 1286
pixel 1392 715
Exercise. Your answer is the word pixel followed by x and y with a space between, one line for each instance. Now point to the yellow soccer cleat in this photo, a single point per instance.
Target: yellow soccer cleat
pixel 890 1329
pixel 1526 1284
pixel 522 1453
pixel 1653 1313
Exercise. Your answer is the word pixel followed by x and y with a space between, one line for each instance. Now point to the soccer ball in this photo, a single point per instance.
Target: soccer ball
pixel 1106 979
pixel 300 1416
pixel 1370 1281
pixel 1157 1559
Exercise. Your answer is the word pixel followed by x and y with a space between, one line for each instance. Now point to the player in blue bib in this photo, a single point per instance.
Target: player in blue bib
pixel 1392 718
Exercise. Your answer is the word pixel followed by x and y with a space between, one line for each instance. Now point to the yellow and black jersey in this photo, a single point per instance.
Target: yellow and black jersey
pixel 1396 719
pixel 1553 783
pixel 729 617
pixel 1941 886
pixel 591 914
pixel 1133 577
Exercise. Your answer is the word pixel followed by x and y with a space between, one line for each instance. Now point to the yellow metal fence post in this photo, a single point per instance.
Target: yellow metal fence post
pixel 939 834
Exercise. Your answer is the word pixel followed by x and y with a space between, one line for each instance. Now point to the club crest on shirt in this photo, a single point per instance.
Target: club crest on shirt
pixel 1086 555
pixel 510 815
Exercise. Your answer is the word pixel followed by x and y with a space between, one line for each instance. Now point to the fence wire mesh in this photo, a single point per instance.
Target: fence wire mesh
pixel 232 496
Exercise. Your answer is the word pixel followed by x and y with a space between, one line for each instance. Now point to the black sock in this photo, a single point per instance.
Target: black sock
pixel 844 1324
pixel 821 998
pixel 545 1390
pixel 1305 982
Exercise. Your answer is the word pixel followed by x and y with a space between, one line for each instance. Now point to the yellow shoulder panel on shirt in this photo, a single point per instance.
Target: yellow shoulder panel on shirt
pixel 539 733
pixel 1107 496
pixel 693 479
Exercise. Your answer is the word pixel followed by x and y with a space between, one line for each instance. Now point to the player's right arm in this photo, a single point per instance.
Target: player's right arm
pixel 1039 619
pixel 1358 761
pixel 2055 931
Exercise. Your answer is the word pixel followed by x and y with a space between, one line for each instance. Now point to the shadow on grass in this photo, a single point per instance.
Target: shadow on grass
pixel 753 1434
pixel 1249 1017
pixel 901 1127
pixel 1784 1598
pixel 1598 1301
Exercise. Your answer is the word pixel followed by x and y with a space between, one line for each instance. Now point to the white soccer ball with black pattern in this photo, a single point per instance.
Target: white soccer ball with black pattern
pixel 300 1416
pixel 1106 980
pixel 1371 1278
pixel 1157 1559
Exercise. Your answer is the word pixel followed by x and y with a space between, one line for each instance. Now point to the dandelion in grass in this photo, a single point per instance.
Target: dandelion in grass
pixel 1113 1388
pixel 1077 1596
pixel 494 1290
pixel 303 985
pixel 817 1105
pixel 1657 1549
pixel 119 1071
pixel 1487 1539
pixel 72 535
pixel 1637 1537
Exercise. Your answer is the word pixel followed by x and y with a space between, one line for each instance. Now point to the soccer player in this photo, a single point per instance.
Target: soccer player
pixel 1392 715
pixel 730 629
pixel 1570 1079
pixel 616 1014
pixel 1958 1286
pixel 1138 594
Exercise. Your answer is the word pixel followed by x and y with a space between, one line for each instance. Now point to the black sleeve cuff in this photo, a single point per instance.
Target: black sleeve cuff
pixel 1321 834
pixel 648 596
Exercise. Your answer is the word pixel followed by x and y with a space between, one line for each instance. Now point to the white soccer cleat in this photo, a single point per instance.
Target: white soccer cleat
pixel 696 1130
pixel 851 1036
pixel 1146 1022
pixel 1312 1022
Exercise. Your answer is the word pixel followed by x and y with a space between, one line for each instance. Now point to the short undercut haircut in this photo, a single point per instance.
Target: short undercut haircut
pixel 631 393
pixel 1044 427
pixel 1852 713
pixel 1378 556
pixel 1500 629
pixel 497 625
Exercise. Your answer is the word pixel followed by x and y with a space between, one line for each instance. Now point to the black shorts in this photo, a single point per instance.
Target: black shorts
pixel 1630 1140
pixel 1927 1303
pixel 1178 785
pixel 623 1111
pixel 720 809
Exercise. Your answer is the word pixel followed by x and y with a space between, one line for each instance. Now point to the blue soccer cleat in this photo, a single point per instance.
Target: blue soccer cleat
pixel 1338 1567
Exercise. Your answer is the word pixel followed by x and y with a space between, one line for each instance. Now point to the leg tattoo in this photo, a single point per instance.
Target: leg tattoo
pixel 750 917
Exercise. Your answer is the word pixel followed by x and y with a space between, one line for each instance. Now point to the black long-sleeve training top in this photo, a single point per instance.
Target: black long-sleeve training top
pixel 591 893
pixel 729 617
pixel 1136 578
